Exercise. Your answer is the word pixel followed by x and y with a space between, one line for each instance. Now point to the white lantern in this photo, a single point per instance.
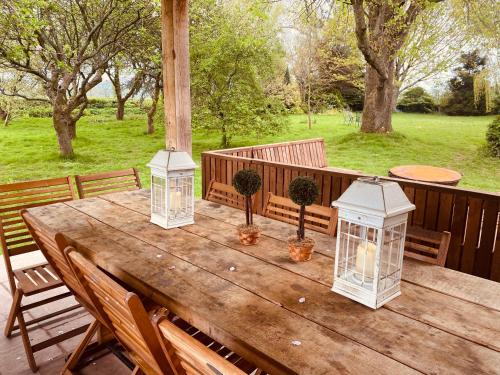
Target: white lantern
pixel 172 189
pixel 370 241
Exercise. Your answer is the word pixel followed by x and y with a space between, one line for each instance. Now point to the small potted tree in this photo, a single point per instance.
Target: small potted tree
pixel 247 182
pixel 303 191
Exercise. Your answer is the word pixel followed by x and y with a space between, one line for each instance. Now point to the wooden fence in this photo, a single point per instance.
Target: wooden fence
pixel 471 216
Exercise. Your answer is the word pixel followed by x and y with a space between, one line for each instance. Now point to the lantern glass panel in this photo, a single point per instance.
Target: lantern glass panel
pixel 158 185
pixel 390 257
pixel 357 254
pixel 180 197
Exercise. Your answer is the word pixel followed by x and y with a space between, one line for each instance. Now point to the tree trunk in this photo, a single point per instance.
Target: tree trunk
pixel 120 109
pixel 60 121
pixel 395 98
pixel 301 232
pixel 154 106
pixel 379 96
pixel 71 128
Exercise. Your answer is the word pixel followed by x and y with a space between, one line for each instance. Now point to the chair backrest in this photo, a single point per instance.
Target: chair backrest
pixel 426 245
pixel 318 218
pixel 15 237
pixel 124 314
pixel 191 357
pixel 218 192
pixel 107 182
pixel 52 246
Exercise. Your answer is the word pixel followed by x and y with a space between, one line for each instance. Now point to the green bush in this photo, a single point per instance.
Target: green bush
pixel 40 111
pixel 416 100
pixel 493 138
pixel 101 103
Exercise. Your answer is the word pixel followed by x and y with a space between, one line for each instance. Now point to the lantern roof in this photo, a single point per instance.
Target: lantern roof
pixel 171 160
pixel 376 197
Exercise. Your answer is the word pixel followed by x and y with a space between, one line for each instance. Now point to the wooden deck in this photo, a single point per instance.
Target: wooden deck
pixel 12 357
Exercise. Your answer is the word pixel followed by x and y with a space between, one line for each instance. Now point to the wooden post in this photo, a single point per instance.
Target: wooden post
pixel 176 73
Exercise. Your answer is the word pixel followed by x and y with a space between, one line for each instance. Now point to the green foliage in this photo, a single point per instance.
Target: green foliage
pixel 40 111
pixel 416 100
pixel 460 99
pixel 28 149
pixel 235 53
pixel 247 182
pixel 493 138
pixel 303 191
pixel 99 103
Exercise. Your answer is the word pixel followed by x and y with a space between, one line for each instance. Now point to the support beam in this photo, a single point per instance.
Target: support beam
pixel 176 74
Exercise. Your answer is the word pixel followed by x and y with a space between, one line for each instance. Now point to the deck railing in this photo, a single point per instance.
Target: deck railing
pixel 471 216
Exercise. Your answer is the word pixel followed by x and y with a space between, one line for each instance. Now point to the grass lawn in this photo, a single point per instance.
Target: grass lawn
pixel 28 147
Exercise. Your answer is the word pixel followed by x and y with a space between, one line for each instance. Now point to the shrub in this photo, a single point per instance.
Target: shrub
pixel 247 182
pixel 416 100
pixel 493 138
pixel 303 191
pixel 40 111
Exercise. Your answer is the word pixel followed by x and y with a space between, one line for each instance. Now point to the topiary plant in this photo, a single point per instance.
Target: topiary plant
pixel 303 191
pixel 247 182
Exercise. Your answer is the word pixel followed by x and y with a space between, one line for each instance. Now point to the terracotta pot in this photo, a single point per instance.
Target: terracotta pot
pixel 248 234
pixel 300 251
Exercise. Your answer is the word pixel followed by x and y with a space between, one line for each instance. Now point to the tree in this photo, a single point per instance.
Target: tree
pixel 416 100
pixel 462 98
pixel 434 44
pixel 381 30
pixel 124 90
pixel 66 45
pixel 14 87
pixel 234 54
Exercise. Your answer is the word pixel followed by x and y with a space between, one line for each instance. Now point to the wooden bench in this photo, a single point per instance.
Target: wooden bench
pixel 107 182
pixel 318 218
pixel 426 245
pixel 218 192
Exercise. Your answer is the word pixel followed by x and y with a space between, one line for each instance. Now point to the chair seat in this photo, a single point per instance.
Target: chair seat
pixel 37 279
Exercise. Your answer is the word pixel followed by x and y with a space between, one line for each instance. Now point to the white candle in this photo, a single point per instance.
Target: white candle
pixel 175 201
pixel 365 259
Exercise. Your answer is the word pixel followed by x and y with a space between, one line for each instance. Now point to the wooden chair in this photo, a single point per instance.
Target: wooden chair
pixel 107 182
pixel 195 353
pixel 52 246
pixel 16 240
pixel 130 322
pixel 225 194
pixel 426 245
pixel 318 218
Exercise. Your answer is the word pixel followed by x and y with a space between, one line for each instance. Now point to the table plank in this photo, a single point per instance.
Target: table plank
pixel 387 332
pixel 219 307
pixel 444 280
pixel 461 318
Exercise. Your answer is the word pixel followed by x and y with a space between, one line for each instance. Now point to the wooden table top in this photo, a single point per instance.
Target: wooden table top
pixel 426 173
pixel 247 297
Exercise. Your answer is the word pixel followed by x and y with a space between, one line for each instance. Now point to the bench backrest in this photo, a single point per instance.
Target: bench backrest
pixel 15 237
pixel 427 246
pixel 318 218
pixel 310 153
pixel 225 194
pixel 124 314
pixel 107 182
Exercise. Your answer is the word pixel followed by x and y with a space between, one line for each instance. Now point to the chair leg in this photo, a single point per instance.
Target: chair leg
pixel 80 349
pixel 26 342
pixel 14 310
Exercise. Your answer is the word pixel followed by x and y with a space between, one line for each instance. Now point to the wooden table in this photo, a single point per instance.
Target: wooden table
pixel 444 322
pixel 426 173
